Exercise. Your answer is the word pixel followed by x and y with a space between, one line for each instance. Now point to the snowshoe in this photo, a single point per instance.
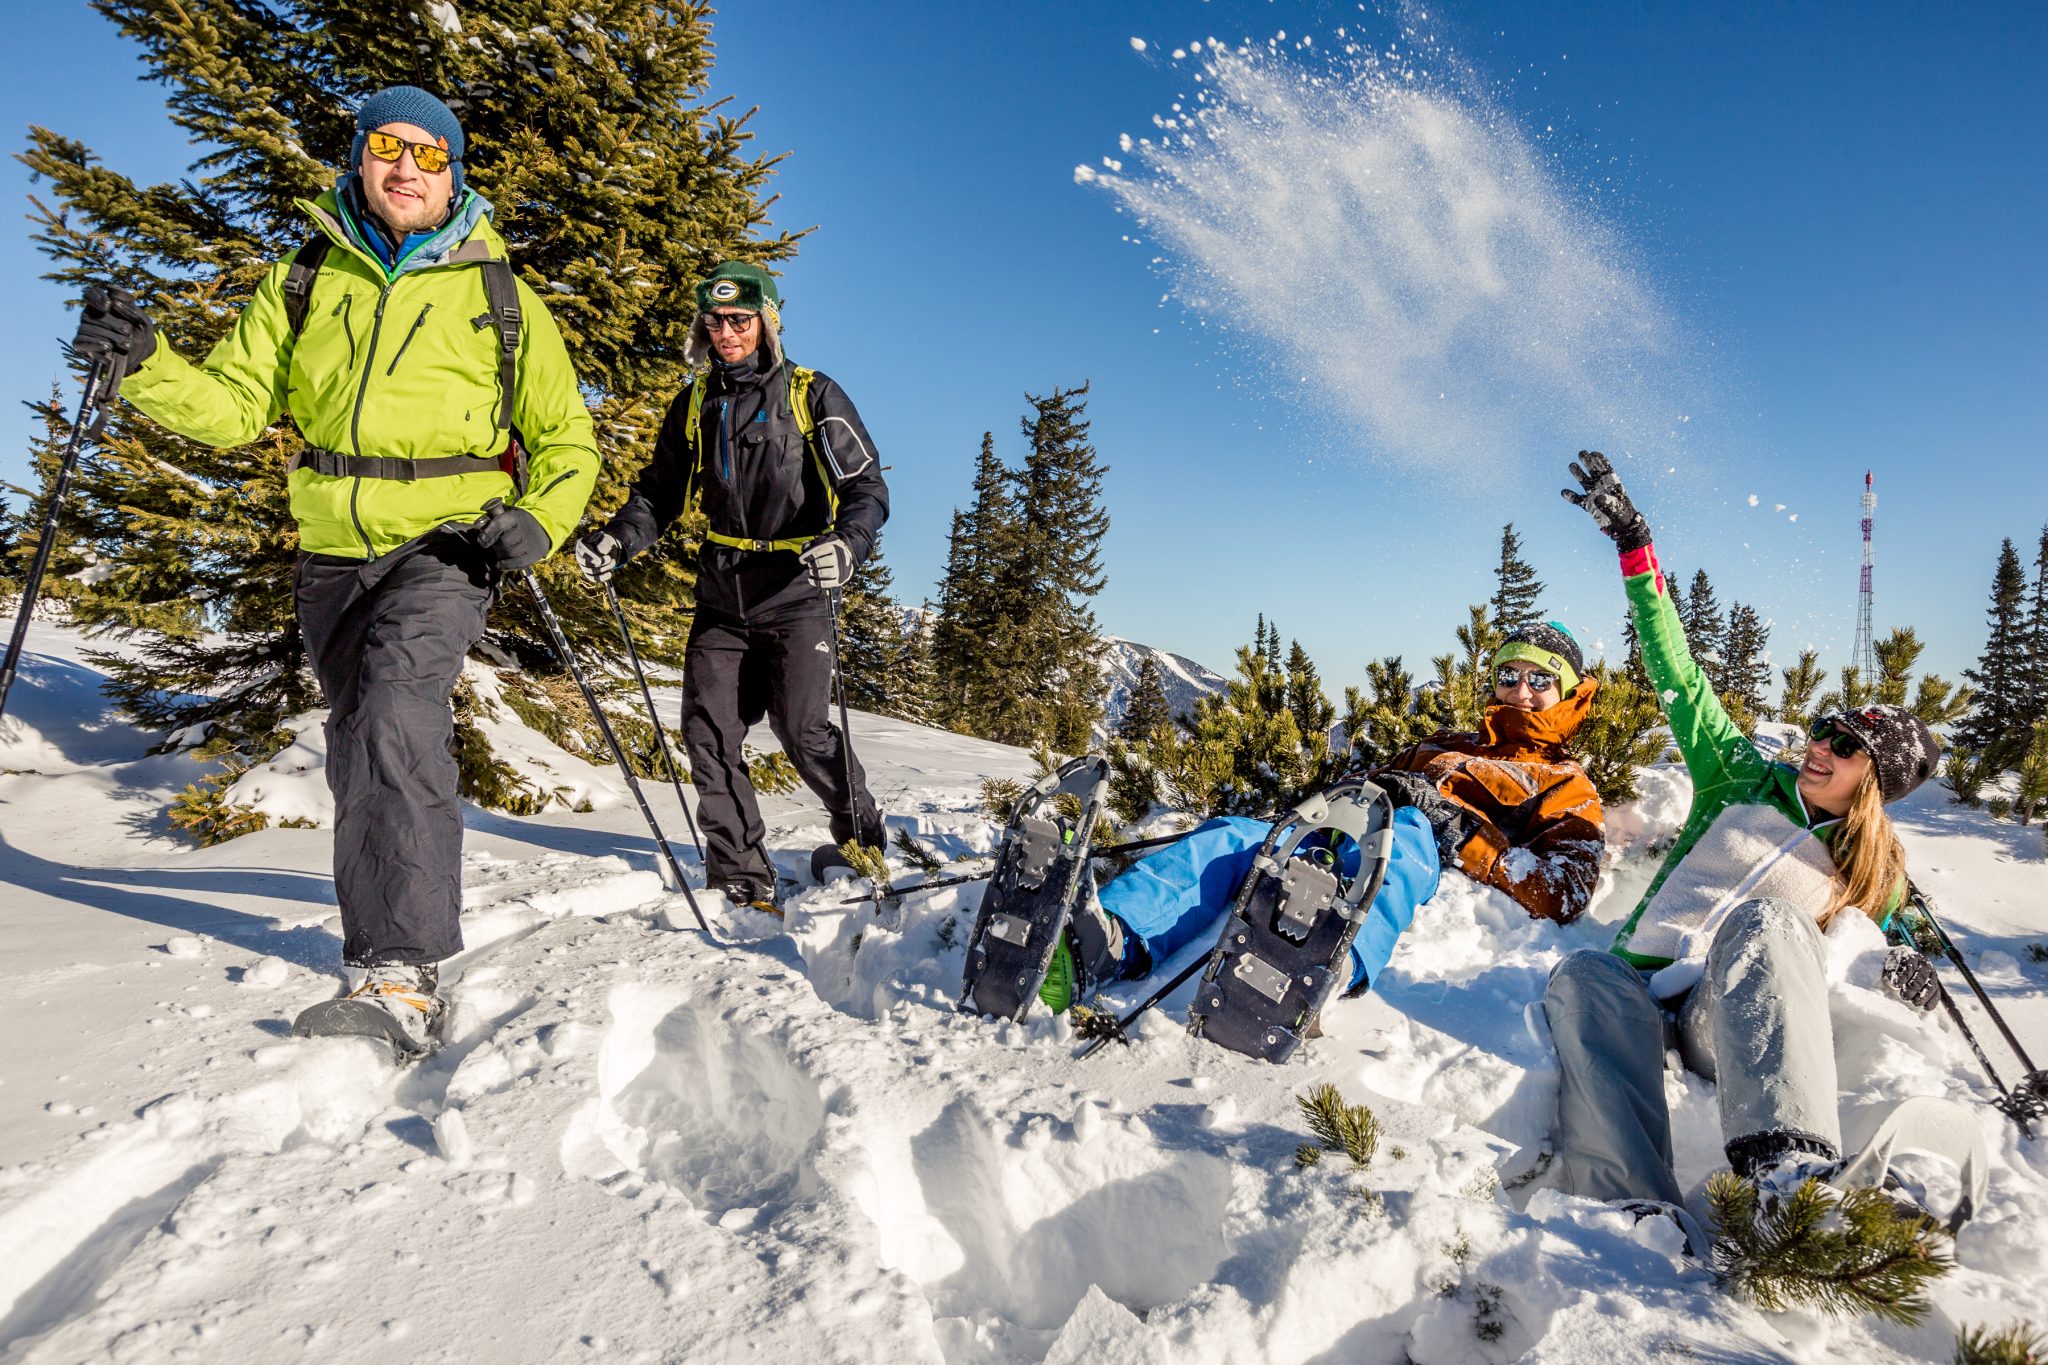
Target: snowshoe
pixel 746 895
pixel 1285 948
pixel 1030 896
pixel 1927 1124
pixel 397 1003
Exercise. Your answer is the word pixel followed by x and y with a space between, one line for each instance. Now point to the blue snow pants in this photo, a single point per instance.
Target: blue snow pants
pixel 1179 893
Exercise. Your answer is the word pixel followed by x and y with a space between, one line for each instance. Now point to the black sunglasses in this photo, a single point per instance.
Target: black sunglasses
pixel 1507 679
pixel 736 322
pixel 1840 741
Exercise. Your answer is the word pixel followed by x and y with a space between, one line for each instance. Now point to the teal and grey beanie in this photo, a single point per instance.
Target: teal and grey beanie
pixel 410 104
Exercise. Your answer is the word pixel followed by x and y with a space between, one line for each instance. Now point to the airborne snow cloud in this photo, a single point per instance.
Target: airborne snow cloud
pixel 1407 248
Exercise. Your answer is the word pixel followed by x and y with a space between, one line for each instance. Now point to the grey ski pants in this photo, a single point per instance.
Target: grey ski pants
pixel 386 638
pixel 1757 1024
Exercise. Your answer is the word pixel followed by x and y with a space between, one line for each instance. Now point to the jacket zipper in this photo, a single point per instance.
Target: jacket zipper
pixel 342 310
pixel 553 484
pixel 411 332
pixel 355 420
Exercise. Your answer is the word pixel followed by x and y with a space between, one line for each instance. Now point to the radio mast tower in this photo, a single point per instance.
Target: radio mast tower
pixel 1866 648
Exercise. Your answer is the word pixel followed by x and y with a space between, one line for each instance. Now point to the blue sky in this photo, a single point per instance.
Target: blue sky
pixel 1837 208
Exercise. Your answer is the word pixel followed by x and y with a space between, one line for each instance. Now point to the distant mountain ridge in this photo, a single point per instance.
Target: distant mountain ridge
pixel 1183 678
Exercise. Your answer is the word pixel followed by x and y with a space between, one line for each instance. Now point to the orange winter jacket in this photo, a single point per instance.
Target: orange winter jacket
pixel 1542 827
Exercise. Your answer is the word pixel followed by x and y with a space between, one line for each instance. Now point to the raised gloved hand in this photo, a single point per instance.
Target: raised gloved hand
pixel 113 328
pixel 1452 824
pixel 829 561
pixel 599 555
pixel 511 537
pixel 1910 978
pixel 1607 502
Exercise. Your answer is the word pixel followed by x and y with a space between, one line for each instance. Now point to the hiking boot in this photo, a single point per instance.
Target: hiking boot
pixel 409 993
pixel 1095 949
pixel 748 895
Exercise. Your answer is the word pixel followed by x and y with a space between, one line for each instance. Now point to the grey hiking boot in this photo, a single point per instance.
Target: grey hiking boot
pixel 410 994
pixel 1104 950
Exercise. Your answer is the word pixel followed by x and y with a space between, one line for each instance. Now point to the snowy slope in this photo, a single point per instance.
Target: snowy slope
pixel 787 1145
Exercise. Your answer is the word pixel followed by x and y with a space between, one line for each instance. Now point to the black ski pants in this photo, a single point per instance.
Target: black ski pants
pixel 386 638
pixel 734 673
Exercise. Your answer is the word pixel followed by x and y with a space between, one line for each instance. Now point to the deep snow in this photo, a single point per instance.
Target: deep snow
pixel 639 1145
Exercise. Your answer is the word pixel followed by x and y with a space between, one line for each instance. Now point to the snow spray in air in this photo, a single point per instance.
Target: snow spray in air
pixel 1402 246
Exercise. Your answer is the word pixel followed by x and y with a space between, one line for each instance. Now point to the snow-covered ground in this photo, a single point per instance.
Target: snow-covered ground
pixel 787 1145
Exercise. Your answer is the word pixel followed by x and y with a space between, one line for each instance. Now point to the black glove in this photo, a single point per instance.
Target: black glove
pixel 1911 979
pixel 511 537
pixel 1452 824
pixel 113 328
pixel 599 555
pixel 1608 502
pixel 829 562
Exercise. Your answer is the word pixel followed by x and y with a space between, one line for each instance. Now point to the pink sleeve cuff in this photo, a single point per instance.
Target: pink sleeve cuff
pixel 1644 560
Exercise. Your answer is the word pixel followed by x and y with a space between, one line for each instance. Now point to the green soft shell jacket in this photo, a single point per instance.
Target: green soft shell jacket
pixel 1726 767
pixel 394 364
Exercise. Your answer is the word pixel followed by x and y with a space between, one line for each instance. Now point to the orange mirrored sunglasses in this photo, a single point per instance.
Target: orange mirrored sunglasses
pixel 425 155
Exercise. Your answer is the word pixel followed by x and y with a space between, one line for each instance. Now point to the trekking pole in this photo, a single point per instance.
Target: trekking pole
pixel 561 643
pixel 675 772
pixel 2030 1095
pixel 95 375
pixel 2006 1102
pixel 1101 1030
pixel 845 728
pixel 896 893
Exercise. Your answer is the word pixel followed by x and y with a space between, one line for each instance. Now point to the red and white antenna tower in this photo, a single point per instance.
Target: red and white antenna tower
pixel 1866 647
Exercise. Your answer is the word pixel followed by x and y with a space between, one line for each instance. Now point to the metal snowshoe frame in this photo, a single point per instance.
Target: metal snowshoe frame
pixel 1291 924
pixel 1031 891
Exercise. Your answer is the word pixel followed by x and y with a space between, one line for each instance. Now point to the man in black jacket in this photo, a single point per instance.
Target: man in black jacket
pixel 790 483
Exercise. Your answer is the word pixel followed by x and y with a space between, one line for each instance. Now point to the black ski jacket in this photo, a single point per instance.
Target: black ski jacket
pixel 756 481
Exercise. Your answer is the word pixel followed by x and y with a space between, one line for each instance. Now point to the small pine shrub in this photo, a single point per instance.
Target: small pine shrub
pixel 1622 733
pixel 203 813
pixel 866 861
pixel 2016 1343
pixel 1999 808
pixel 999 798
pixel 922 858
pixel 1348 1128
pixel 771 773
pixel 1840 1252
pixel 1966 773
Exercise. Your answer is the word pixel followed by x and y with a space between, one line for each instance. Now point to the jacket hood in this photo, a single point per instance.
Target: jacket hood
pixel 1538 733
pixel 467 235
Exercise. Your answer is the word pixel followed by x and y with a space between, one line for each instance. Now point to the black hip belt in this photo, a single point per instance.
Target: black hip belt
pixel 336 464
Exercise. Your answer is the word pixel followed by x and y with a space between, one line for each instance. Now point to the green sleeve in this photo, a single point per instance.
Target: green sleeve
pixel 238 391
pixel 1716 753
pixel 548 408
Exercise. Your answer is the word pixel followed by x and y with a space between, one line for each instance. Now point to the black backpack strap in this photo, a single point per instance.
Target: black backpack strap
pixel 501 291
pixel 299 277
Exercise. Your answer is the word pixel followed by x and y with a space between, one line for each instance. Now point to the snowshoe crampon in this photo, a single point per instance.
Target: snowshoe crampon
pixel 362 1015
pixel 1286 946
pixel 1031 893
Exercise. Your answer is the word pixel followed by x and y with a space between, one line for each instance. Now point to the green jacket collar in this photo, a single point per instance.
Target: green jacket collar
pixel 467 238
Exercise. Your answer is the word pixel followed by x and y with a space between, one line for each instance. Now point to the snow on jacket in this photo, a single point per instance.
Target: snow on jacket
pixel 1727 770
pixel 757 481
pixel 391 363
pixel 1541 825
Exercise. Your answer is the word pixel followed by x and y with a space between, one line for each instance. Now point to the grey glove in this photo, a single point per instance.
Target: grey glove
pixel 511 537
pixel 1452 824
pixel 1607 502
pixel 599 555
pixel 114 329
pixel 829 562
pixel 1910 978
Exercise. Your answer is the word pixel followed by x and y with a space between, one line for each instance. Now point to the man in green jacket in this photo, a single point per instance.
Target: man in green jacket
pixel 417 367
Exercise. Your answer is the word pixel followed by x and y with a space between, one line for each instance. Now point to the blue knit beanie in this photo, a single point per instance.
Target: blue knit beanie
pixel 409 104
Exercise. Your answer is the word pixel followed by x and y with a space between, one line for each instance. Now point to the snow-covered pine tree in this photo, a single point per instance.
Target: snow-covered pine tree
pixel 617 180
pixel 1706 630
pixel 1239 752
pixel 2000 724
pixel 871 635
pixel 1802 680
pixel 1147 712
pixel 19 534
pixel 1746 669
pixel 911 698
pixel 1048 643
pixel 1381 720
pixel 2032 794
pixel 2037 631
pixel 1516 587
pixel 1313 716
pixel 1622 733
pixel 973 684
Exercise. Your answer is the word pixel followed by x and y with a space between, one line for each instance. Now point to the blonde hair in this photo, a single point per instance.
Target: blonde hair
pixel 1868 856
